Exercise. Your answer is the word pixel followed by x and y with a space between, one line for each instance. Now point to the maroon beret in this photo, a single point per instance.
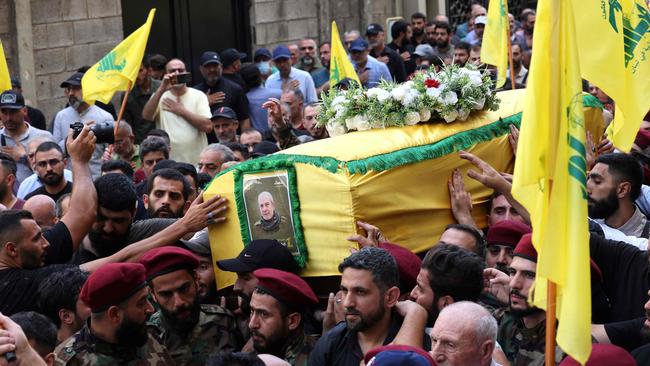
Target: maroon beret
pixel 286 287
pixel 642 139
pixel 408 263
pixel 112 284
pixel 525 248
pixel 507 232
pixel 160 261
pixel 604 355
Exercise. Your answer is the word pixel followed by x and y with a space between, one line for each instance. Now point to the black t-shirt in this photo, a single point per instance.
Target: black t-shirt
pixel 410 64
pixel 626 334
pixel 36 118
pixel 395 63
pixel 235 98
pixel 55 197
pixel 625 276
pixel 19 287
pixel 60 250
pixel 642 355
pixel 235 78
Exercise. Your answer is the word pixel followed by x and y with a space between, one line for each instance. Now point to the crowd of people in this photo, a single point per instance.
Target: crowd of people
pixel 105 257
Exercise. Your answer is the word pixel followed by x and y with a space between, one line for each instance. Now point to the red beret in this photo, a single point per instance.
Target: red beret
pixel 507 232
pixel 160 261
pixel 525 248
pixel 642 139
pixel 112 284
pixel 408 263
pixel 604 355
pixel 286 287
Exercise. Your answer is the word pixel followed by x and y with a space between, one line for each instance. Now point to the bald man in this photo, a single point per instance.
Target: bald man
pixel 42 208
pixel 125 147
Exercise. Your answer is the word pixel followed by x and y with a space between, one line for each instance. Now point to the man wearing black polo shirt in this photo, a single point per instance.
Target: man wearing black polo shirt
pixel 378 50
pixel 221 92
pixel 369 284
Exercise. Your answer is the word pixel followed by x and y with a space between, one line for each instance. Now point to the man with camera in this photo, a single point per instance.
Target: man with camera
pixel 181 111
pixel 80 111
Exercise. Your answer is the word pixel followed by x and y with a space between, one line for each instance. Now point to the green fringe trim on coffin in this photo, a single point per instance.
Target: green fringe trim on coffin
pixel 294 201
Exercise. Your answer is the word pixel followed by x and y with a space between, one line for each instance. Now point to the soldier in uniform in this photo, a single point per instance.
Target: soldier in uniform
pixel 277 315
pixel 116 332
pixel 272 225
pixel 191 331
pixel 522 328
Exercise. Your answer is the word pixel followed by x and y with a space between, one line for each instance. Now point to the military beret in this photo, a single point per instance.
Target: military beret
pixel 160 261
pixel 604 355
pixel 398 355
pixel 507 232
pixel 286 287
pixel 112 284
pixel 525 248
pixel 408 263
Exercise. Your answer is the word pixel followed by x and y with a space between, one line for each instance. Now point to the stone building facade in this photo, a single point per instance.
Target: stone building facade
pixel 45 41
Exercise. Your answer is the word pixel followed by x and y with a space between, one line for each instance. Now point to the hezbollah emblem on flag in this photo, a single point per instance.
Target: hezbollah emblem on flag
pixel 633 34
pixel 113 61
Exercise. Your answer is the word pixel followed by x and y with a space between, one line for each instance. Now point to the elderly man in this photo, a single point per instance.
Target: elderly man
pixel 272 224
pixel 181 111
pixel 125 147
pixel 370 70
pixel 43 208
pixel 225 124
pixel 310 62
pixel 212 157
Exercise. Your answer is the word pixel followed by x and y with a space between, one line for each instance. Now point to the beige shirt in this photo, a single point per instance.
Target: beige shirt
pixel 186 140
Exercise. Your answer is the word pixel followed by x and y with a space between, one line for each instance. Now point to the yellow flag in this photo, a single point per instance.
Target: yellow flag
pixel 494 50
pixel 340 65
pixel 114 71
pixel 614 46
pixel 5 79
pixel 550 175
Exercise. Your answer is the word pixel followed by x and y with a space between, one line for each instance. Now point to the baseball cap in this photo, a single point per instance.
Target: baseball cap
pixel 199 244
pixel 264 148
pixel 424 50
pixel 11 100
pixel 281 51
pixel 359 44
pixel 374 29
pixel 261 253
pixel 481 19
pixel 394 355
pixel 230 55
pixel 210 57
pixel 225 112
pixel 74 80
pixel 262 52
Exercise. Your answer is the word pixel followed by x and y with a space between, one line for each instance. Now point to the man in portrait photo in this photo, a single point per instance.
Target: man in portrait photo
pixel 272 224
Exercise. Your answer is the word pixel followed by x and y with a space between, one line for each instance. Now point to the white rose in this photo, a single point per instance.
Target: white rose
pixel 449 98
pixel 412 118
pixel 478 105
pixel 463 114
pixel 398 93
pixel 434 92
pixel 425 114
pixel 451 116
pixel 338 100
pixel 339 110
pixel 372 92
pixel 335 129
pixel 408 84
pixel 363 123
pixel 410 97
pixel 382 95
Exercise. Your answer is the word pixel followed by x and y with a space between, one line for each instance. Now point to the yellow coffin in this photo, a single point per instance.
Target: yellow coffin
pixel 394 178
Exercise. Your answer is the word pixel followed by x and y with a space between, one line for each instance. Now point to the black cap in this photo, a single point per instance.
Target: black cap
pixel 374 29
pixel 261 253
pixel 74 80
pixel 11 100
pixel 230 55
pixel 224 112
pixel 210 57
pixel 264 148
pixel 262 52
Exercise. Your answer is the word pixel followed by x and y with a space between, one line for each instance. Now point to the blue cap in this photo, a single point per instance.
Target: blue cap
pixel 210 57
pixel 281 51
pixel 262 52
pixel 74 80
pixel 398 355
pixel 359 44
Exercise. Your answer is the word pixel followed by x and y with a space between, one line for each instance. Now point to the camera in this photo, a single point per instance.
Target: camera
pixel 182 78
pixel 102 130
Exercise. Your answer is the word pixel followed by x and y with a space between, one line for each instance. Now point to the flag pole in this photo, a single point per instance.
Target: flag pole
pixel 120 113
pixel 550 323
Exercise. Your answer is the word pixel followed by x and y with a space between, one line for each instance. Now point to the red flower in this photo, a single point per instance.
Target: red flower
pixel 431 83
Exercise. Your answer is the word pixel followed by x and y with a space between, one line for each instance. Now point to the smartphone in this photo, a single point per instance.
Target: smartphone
pixel 182 78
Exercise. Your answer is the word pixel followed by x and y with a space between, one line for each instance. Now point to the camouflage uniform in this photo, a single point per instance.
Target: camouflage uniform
pixel 216 331
pixel 84 349
pixel 524 346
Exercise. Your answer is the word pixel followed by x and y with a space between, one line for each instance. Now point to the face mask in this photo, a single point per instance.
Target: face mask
pixel 264 67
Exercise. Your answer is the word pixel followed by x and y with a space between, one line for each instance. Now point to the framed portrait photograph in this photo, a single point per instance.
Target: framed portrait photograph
pixel 270 209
